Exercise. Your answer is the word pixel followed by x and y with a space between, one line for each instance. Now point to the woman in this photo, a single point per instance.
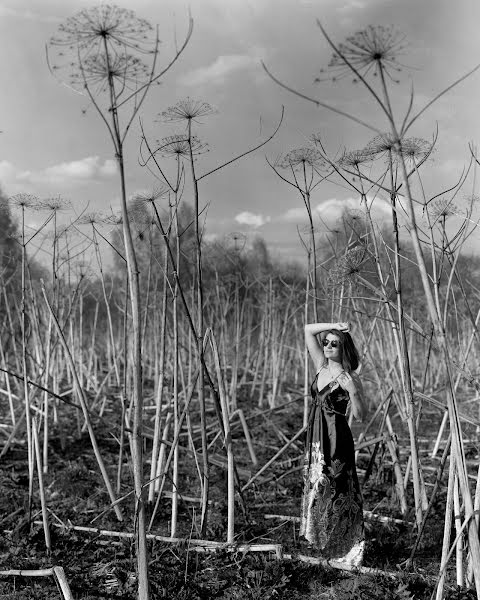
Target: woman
pixel 332 514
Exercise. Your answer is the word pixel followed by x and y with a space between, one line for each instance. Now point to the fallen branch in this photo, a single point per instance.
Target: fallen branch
pixel 194 544
pixel 335 564
pixel 366 513
pixel 57 572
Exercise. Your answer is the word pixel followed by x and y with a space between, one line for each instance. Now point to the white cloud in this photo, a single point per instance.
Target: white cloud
pixel 210 237
pixel 85 169
pixel 7 170
pixel 219 70
pixel 352 5
pixel 6 11
pixel 248 218
pixel 332 209
pixel 295 215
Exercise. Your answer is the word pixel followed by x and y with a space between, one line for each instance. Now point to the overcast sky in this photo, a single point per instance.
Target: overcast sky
pixel 49 147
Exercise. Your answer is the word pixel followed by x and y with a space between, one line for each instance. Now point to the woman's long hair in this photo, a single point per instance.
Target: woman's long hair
pixel 349 354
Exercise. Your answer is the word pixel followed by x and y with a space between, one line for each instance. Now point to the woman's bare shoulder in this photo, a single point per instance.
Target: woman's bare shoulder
pixel 321 365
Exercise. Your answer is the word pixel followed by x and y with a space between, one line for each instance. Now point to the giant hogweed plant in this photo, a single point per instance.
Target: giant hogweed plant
pixel 111 57
pixel 370 58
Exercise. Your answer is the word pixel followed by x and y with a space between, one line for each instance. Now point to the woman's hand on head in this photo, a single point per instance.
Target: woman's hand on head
pixel 344 326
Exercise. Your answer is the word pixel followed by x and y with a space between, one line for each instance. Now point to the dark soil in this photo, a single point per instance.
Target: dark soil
pixel 97 566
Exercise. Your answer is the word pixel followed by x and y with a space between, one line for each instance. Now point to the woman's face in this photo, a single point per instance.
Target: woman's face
pixel 332 347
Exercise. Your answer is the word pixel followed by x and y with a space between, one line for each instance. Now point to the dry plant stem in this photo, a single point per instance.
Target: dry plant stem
pixel 111 119
pixel 447 529
pixel 107 306
pixel 41 486
pixel 124 422
pixel 27 573
pixel 359 445
pixel 278 351
pixel 436 487
pixel 458 528
pixel 46 398
pixel 273 459
pixel 457 383
pixel 205 545
pixel 160 383
pixel 11 327
pixel 62 582
pixel 393 449
pixel 458 450
pixel 193 450
pixel 441 430
pixel 12 435
pixel 437 403
pixel 334 564
pixel 176 456
pixel 398 330
pixel 457 443
pixel 476 506
pixel 136 436
pixel 28 420
pixel 83 403
pixel 56 572
pixel 381 406
pixel 161 456
pixel 236 349
pixel 177 437
pixel 246 432
pixel 228 443
pixel 200 332
pixel 192 332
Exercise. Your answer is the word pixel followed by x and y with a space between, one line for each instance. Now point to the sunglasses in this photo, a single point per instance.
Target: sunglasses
pixel 332 343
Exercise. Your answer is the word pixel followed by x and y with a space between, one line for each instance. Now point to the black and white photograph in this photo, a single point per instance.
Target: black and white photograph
pixel 239 300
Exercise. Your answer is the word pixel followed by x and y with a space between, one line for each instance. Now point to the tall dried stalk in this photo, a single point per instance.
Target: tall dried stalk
pixel 126 81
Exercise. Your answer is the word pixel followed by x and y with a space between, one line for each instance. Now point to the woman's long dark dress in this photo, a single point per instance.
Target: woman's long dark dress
pixel 332 513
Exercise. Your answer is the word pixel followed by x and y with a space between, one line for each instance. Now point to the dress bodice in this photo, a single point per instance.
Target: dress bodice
pixel 332 398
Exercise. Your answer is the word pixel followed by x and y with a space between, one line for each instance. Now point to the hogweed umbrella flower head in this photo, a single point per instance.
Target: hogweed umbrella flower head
pixel 354 158
pixel 54 204
pixel 302 157
pixel 92 218
pixel 100 44
pixel 138 211
pixel 115 219
pixel 414 150
pixel 24 201
pixel 104 27
pixel 368 51
pixel 98 71
pixel 348 266
pixel 353 218
pixel 187 110
pixel 150 196
pixel 179 146
pixel 380 144
pixel 235 241
pixel 443 209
